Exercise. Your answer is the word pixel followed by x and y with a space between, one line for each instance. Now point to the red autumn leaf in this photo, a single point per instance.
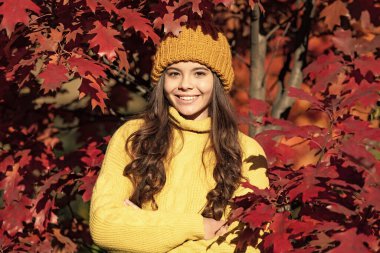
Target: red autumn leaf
pixel 344 41
pixel 371 196
pixel 260 215
pixel 69 245
pixel 92 88
pixel 279 237
pixel 14 214
pixel 53 77
pixel 44 216
pixel 368 64
pixel 324 71
pixel 196 7
pixel 338 208
pixel 333 12
pixel 108 6
pixel 88 182
pixel 86 67
pixel 308 185
pixel 365 94
pixel 134 19
pixel 361 130
pixel 25 158
pixel 301 94
pixel 6 163
pixel 123 60
pixel 302 227
pixel 93 156
pixel 285 154
pixel 258 107
pixel 350 242
pixel 358 152
pixel 171 23
pixel 11 183
pixel 92 4
pixel 15 12
pixel 105 40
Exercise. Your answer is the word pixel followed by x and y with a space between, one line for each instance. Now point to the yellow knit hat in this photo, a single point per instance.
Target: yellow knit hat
pixel 194 45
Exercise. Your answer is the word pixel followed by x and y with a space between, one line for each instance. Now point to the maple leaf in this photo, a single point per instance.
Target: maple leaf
pixel 171 23
pixel 88 182
pixel 94 156
pixel 53 77
pixel 108 6
pixel 344 41
pixel 279 238
pixel 308 185
pixel 14 215
pixel 260 215
pixel 350 242
pixel 258 107
pixel 123 60
pixel 195 7
pixel 366 94
pixel 15 12
pixel 92 4
pixel 301 94
pixel 371 196
pixel 91 87
pixel 368 64
pixel 359 153
pixel 105 40
pixel 134 19
pixel 332 13
pixel 86 67
pixel 70 246
pixel 324 71
pixel 25 157
pixel 11 183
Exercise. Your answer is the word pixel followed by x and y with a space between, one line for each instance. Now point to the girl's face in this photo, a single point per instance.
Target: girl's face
pixel 188 87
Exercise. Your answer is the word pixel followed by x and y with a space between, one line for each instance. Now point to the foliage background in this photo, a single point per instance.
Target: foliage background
pixel 307 88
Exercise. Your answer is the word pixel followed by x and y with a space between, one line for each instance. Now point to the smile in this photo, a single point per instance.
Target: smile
pixel 187 98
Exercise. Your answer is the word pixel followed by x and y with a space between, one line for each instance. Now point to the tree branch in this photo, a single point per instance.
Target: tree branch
pixel 283 101
pixel 257 60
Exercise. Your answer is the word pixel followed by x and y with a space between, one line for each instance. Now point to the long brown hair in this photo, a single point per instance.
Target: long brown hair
pixel 149 146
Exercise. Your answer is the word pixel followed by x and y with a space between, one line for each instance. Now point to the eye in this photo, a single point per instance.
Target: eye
pixel 200 73
pixel 172 74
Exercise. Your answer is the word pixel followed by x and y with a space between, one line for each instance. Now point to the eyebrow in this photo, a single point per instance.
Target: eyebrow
pixel 195 69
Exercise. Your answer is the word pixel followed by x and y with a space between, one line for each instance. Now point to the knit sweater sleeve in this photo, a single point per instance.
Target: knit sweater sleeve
pixel 114 226
pixel 254 165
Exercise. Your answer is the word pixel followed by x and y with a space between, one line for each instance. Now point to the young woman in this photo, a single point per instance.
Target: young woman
pixel 167 178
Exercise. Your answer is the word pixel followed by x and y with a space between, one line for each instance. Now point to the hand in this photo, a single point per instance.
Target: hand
pixel 127 202
pixel 214 228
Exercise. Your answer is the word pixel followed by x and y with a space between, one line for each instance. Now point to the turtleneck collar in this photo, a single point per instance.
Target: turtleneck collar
pixel 199 126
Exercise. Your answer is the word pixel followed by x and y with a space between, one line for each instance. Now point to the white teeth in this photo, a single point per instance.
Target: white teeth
pixel 187 98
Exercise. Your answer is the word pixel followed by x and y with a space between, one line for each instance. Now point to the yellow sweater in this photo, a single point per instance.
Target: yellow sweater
pixel 177 225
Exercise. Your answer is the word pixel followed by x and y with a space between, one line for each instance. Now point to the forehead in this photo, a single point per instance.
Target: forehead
pixel 187 65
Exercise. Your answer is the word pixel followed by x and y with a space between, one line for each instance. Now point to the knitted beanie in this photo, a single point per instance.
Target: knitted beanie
pixel 194 45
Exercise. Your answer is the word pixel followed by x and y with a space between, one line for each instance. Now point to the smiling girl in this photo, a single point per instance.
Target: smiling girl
pixel 168 178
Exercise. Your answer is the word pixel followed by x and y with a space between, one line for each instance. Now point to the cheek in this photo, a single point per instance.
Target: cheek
pixel 207 87
pixel 169 86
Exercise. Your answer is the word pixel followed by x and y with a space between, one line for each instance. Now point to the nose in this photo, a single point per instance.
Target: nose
pixel 186 83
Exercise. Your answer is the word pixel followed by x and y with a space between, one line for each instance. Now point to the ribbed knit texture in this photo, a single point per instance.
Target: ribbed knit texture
pixel 177 225
pixel 194 45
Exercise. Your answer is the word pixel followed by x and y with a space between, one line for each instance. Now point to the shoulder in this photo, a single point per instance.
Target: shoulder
pixel 128 128
pixel 254 162
pixel 250 146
